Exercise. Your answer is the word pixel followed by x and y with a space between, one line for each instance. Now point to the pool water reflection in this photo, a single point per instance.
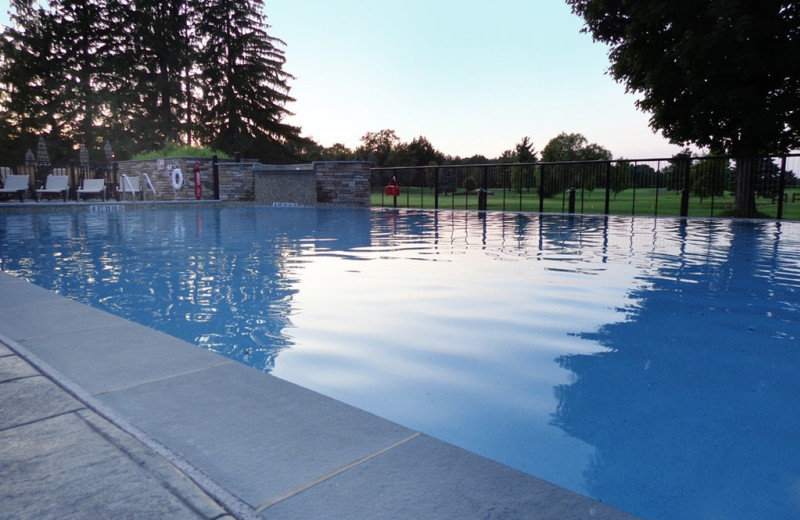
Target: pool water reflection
pixel 649 363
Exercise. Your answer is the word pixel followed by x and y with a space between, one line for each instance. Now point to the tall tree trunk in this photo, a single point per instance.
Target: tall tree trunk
pixel 746 173
pixel 745 203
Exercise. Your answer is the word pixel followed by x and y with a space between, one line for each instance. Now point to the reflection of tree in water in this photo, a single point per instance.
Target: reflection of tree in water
pixel 236 295
pixel 195 274
pixel 693 410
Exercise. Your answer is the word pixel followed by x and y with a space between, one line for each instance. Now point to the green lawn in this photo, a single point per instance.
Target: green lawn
pixel 628 202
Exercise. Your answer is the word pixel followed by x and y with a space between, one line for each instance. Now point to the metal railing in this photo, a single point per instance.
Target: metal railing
pixel 679 187
pixel 125 184
pixel 149 185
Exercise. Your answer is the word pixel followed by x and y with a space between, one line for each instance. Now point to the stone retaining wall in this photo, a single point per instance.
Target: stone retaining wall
pixel 295 184
pixel 343 183
pixel 324 183
pixel 235 179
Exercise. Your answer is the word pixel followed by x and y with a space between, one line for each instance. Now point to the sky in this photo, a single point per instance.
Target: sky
pixel 472 77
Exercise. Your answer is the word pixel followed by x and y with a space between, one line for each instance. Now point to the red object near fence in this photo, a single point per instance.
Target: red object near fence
pixel 392 191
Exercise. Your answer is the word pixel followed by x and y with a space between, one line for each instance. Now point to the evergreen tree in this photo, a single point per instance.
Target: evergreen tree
pixel 60 68
pixel 144 73
pixel 244 86
pixel 524 151
pixel 161 74
pixel 28 73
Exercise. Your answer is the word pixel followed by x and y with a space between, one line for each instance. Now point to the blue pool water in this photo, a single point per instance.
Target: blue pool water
pixel 650 363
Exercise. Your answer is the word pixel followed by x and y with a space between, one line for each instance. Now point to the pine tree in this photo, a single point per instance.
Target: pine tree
pixel 60 68
pixel 144 73
pixel 244 85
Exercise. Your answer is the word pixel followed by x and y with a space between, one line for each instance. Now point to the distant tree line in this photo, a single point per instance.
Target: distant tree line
pixel 385 149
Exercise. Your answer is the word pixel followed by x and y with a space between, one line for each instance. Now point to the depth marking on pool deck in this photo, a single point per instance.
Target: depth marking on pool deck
pixel 320 480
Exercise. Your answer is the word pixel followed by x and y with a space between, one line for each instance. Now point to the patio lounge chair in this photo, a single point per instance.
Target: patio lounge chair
pixel 56 185
pixel 92 188
pixel 16 185
pixel 123 187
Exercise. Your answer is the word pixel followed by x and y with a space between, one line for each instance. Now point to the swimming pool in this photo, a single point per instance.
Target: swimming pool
pixel 649 363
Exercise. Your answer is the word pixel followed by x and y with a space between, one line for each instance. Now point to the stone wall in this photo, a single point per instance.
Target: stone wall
pixel 324 183
pixel 343 183
pixel 235 179
pixel 294 184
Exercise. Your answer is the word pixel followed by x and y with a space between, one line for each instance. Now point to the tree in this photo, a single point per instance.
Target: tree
pixel 161 72
pixel 709 176
pixel 244 85
pixel 620 177
pixel 423 153
pixel 377 146
pixel 573 147
pixel 569 148
pixel 145 73
pixel 523 152
pixel 61 65
pixel 721 74
pixel 768 176
pixel 337 152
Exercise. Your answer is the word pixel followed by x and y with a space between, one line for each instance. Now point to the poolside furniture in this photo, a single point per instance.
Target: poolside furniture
pixel 16 185
pixel 92 188
pixel 124 188
pixel 56 185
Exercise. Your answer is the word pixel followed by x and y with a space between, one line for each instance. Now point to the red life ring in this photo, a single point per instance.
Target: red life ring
pixel 198 186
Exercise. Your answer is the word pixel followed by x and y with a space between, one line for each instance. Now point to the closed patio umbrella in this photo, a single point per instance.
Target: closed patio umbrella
pixel 84 157
pixel 42 161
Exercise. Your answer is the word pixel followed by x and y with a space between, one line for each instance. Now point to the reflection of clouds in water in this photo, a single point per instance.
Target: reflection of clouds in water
pixel 599 353
pixel 456 321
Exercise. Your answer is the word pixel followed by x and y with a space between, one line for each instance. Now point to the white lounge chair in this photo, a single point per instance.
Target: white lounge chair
pixel 16 185
pixel 124 188
pixel 55 185
pixel 92 188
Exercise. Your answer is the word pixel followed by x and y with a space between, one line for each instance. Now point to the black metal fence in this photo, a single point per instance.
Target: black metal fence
pixel 680 187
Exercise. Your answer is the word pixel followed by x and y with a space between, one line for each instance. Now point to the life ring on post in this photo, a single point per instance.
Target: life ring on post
pixel 177 179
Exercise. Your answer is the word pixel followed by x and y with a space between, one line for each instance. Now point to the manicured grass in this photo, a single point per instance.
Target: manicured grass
pixel 628 202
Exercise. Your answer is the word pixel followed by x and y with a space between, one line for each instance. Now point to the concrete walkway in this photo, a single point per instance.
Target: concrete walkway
pixel 104 418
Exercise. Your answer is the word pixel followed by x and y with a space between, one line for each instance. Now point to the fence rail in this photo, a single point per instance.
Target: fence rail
pixel 679 187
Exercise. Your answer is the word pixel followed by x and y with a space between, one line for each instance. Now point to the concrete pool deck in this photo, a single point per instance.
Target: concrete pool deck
pixel 104 418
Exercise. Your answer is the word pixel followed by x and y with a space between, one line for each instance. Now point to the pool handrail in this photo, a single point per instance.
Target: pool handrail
pixel 150 185
pixel 126 181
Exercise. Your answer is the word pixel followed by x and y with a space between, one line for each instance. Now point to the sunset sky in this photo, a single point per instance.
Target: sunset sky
pixel 473 77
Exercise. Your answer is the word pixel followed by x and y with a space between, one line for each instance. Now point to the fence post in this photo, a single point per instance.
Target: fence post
pixel 115 177
pixel 541 188
pixel 436 187
pixel 686 165
pixel 483 192
pixel 215 175
pixel 781 187
pixel 607 209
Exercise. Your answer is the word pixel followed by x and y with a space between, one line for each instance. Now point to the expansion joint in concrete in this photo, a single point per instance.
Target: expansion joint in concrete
pixel 339 471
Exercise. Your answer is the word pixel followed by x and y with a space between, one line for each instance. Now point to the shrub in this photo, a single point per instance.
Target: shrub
pixel 178 150
pixel 470 184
